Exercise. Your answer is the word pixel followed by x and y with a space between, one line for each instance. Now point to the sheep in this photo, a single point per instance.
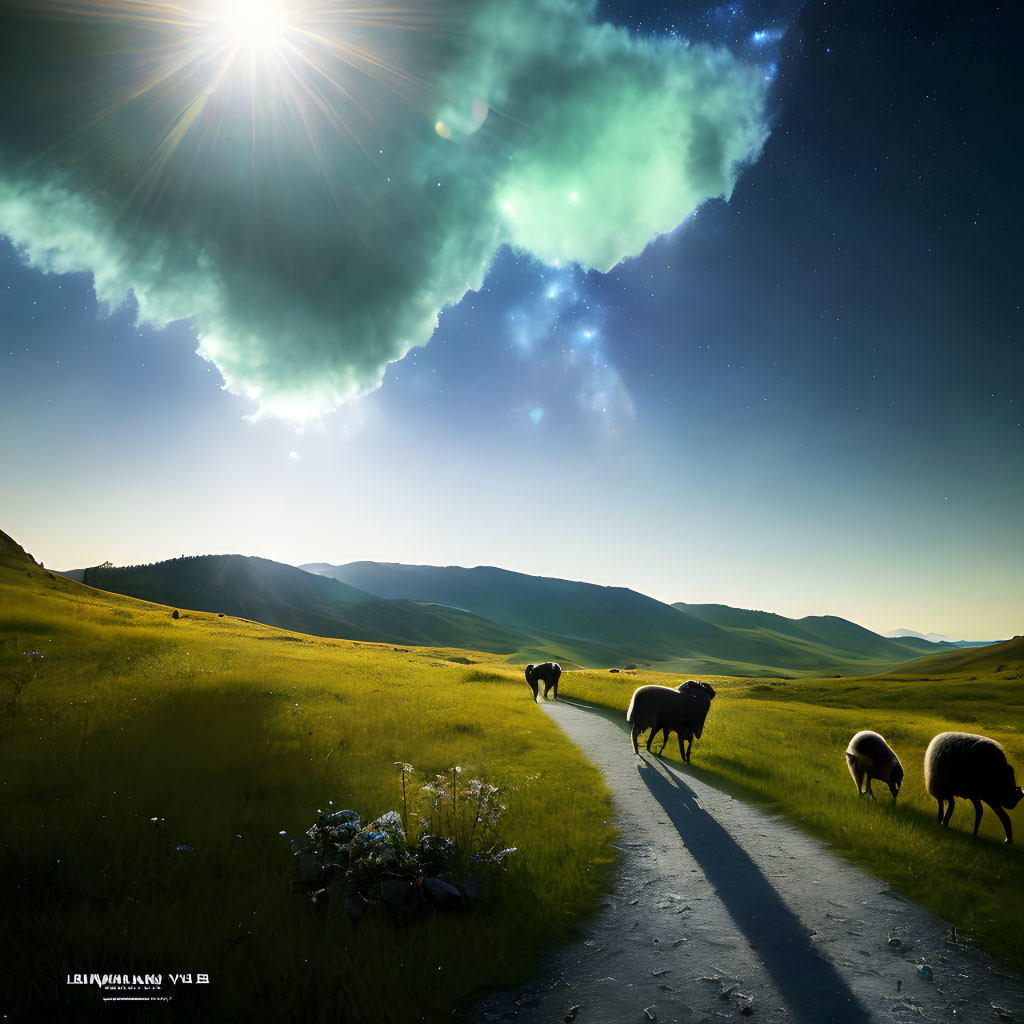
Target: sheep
pixel 663 709
pixel 549 673
pixel 962 764
pixel 869 757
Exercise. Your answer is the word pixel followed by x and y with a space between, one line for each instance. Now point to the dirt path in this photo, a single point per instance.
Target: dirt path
pixel 721 911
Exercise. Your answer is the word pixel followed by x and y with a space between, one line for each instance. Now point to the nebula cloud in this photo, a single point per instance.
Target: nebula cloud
pixel 313 205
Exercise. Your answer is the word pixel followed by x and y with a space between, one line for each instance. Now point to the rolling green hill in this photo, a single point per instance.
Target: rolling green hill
pixel 525 618
pixel 635 628
pixel 286 597
pixel 830 630
pixel 623 621
pixel 1003 660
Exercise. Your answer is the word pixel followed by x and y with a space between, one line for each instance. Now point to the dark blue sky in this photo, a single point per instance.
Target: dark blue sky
pixel 805 399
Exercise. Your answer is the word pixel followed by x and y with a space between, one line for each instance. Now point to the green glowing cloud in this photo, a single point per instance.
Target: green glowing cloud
pixel 313 235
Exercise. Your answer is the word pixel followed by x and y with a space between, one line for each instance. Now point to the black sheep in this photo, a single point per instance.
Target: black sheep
pixel 962 764
pixel 662 709
pixel 547 673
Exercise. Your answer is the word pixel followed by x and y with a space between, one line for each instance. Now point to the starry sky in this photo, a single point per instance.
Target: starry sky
pixel 720 303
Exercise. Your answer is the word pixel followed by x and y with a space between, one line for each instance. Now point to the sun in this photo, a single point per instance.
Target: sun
pixel 254 25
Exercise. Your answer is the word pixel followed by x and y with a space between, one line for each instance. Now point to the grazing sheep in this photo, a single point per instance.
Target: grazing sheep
pixel 962 764
pixel 662 709
pixel 548 673
pixel 869 757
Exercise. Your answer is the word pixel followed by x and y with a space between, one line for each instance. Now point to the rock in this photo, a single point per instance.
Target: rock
pixel 398 893
pixel 336 818
pixel 925 973
pixel 344 825
pixel 381 842
pixel 570 1014
pixel 441 891
pixel 894 942
pixel 335 862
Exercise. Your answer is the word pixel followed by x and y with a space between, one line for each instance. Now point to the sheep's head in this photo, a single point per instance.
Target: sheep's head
pixel 896 780
pixel 693 686
pixel 1012 790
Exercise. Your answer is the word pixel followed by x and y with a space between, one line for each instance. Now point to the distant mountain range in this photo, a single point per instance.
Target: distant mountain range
pixel 936 638
pixel 527 618
pixel 600 626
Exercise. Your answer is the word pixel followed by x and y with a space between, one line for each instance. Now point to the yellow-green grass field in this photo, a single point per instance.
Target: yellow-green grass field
pixel 112 714
pixel 783 744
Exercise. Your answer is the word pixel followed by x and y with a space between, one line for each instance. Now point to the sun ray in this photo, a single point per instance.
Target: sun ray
pixel 205 64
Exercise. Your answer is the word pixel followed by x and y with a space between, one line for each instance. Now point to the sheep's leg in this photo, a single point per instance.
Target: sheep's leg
pixel 689 746
pixel 977 813
pixel 1005 819
pixel 867 787
pixel 949 811
pixel 634 733
pixel 664 741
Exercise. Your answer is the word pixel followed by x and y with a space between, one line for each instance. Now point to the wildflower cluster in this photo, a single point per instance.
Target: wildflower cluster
pixel 470 815
pixel 353 866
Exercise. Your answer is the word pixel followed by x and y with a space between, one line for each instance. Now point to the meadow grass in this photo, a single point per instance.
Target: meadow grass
pixel 149 764
pixel 783 744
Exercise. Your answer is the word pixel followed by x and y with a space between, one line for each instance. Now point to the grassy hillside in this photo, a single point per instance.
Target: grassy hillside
pixel 1005 660
pixel 632 628
pixel 829 631
pixel 150 766
pixel 783 743
pixel 525 618
pixel 281 595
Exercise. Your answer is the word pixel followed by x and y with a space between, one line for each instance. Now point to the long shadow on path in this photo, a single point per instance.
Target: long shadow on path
pixel 813 988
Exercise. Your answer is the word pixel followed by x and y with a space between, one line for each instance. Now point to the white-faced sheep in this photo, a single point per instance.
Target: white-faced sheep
pixel 548 673
pixel 974 767
pixel 662 709
pixel 869 757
